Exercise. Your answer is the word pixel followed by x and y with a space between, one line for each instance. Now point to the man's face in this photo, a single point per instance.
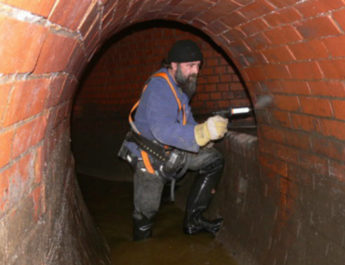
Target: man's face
pixel 186 76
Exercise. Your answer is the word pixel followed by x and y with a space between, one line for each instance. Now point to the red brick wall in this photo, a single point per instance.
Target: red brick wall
pixel 115 81
pixel 292 50
pixel 41 208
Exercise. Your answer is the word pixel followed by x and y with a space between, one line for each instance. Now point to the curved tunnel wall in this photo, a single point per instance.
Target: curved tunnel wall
pixel 292 50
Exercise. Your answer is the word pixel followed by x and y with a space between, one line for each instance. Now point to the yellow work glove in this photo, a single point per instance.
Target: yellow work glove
pixel 213 129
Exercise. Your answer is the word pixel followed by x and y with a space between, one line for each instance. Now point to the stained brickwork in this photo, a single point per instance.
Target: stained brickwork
pixel 291 50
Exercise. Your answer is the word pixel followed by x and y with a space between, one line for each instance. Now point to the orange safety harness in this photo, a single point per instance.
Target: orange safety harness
pixel 144 154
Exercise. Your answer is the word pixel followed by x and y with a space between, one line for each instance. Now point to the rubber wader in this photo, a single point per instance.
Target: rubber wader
pixel 200 196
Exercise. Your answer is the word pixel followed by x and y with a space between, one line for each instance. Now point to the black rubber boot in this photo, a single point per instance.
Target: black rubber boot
pixel 199 199
pixel 197 223
pixel 142 228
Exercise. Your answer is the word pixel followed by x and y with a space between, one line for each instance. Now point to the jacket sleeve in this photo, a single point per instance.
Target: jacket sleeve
pixel 162 112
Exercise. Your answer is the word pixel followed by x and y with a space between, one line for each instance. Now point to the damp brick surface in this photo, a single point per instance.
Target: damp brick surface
pixel 290 50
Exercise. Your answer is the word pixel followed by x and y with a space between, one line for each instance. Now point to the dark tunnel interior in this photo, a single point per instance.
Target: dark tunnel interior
pixel 113 80
pixel 97 132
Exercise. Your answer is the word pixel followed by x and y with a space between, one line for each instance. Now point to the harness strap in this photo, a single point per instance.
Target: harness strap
pixel 147 162
pixel 144 154
pixel 165 76
pixel 183 108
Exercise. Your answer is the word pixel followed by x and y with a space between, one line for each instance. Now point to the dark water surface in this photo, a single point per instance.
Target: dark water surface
pixel 110 204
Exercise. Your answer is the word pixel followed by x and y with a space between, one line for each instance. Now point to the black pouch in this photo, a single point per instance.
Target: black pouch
pixel 176 165
pixel 127 155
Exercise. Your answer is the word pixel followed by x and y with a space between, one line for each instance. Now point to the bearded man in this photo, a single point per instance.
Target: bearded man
pixel 163 119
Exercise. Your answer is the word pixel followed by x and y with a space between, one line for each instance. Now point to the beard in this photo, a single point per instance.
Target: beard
pixel 186 83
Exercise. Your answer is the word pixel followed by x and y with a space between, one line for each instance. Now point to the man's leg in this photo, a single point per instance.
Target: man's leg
pixel 147 194
pixel 209 163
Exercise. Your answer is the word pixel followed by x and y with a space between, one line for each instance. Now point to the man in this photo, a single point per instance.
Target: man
pixel 163 118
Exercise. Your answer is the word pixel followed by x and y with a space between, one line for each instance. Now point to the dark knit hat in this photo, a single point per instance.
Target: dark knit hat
pixel 184 51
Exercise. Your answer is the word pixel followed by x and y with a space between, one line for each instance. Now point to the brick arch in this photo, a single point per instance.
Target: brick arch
pixel 292 50
pixel 114 78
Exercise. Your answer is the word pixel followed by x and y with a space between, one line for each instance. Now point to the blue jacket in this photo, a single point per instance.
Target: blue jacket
pixel 158 117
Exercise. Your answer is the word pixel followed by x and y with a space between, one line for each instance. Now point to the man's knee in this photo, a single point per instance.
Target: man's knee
pixel 215 163
pixel 205 157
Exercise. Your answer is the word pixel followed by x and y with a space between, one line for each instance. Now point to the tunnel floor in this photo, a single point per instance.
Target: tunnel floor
pixel 110 204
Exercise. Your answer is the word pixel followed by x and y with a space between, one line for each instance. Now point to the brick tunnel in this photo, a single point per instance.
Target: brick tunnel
pixel 283 196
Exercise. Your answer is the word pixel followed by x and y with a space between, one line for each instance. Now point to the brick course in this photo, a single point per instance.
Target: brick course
pixel 291 50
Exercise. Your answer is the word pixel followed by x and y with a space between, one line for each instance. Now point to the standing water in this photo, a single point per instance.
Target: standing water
pixel 110 204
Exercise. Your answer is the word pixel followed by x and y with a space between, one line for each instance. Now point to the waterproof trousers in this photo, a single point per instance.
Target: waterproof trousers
pixel 208 163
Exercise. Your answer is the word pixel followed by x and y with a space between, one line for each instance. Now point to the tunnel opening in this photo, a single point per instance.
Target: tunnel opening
pixel 113 81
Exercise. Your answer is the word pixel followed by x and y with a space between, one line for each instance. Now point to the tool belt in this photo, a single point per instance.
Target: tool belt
pixel 170 163
pixel 153 148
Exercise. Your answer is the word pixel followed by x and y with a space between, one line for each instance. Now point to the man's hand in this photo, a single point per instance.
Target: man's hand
pixel 213 129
